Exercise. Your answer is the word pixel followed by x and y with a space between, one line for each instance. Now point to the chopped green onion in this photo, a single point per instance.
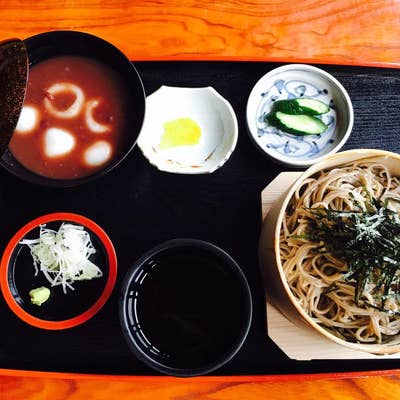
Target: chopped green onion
pixel 63 256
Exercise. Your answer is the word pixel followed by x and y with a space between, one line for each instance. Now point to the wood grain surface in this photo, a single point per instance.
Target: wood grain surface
pixel 20 385
pixel 36 386
pixel 360 32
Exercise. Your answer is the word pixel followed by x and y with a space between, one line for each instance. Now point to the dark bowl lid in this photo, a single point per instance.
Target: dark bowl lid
pixel 13 82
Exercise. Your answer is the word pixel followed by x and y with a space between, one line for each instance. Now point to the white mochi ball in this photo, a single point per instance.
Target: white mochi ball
pixel 28 119
pixel 98 153
pixel 58 142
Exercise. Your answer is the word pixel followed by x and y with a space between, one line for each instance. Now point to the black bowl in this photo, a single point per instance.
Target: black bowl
pixel 185 308
pixel 57 43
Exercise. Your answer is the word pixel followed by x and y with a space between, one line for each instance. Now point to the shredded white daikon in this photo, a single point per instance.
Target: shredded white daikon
pixel 63 255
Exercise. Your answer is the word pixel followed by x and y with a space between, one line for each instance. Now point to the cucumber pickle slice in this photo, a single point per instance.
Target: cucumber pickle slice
pixel 297 124
pixel 301 106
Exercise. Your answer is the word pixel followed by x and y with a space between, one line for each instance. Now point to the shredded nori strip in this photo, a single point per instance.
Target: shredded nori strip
pixel 368 241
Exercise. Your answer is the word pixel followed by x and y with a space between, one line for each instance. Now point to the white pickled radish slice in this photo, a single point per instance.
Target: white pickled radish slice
pixel 28 119
pixel 74 109
pixel 91 123
pixel 58 142
pixel 98 153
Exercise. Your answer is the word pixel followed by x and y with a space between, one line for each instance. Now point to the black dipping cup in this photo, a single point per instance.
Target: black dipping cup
pixel 60 43
pixel 185 308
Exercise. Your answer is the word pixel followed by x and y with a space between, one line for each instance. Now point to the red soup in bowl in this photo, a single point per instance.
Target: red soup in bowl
pixel 73 119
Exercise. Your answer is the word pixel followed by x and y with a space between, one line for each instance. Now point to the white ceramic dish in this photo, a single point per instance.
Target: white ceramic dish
pixel 206 114
pixel 294 81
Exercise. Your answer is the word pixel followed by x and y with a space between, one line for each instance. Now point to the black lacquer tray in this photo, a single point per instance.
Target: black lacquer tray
pixel 140 207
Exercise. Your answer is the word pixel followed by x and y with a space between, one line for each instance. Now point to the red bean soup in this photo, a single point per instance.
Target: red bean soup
pixel 73 120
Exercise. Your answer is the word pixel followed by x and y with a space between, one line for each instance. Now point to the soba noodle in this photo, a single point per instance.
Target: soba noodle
pixel 317 278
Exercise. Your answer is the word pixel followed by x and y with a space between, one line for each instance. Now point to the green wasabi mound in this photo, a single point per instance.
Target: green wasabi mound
pixel 39 295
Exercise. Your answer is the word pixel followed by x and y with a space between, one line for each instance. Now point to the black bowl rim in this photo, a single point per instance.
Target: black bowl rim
pixel 34 178
pixel 246 293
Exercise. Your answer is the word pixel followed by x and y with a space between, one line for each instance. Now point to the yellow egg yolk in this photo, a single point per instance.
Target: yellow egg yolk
pixel 180 132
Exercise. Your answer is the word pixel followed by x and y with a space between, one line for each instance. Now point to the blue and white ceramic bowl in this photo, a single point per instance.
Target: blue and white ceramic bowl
pixel 296 81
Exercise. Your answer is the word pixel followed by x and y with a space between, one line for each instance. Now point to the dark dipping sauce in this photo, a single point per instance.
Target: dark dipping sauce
pixel 98 83
pixel 190 308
